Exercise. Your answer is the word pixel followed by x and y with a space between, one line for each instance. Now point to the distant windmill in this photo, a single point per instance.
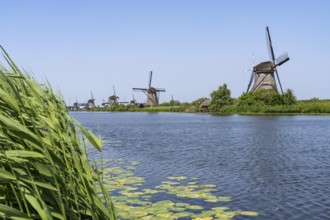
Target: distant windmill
pixel 151 92
pixel 91 102
pixel 263 73
pixel 114 98
pixel 133 101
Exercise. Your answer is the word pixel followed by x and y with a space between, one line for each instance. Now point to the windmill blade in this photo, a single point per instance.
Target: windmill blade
pixel 160 90
pixel 250 82
pixel 114 90
pixel 279 82
pixel 157 98
pixel 150 78
pixel 248 70
pixel 269 45
pixel 282 59
pixel 140 89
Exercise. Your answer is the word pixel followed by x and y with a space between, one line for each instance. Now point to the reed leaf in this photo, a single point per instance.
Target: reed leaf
pixel 12 213
pixel 96 142
pixel 6 176
pixel 23 153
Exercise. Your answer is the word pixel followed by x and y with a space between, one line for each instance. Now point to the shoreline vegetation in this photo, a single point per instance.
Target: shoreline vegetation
pixel 260 102
pixel 44 169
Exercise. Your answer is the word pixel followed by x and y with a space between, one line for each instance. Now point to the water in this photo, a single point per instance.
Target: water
pixel 278 166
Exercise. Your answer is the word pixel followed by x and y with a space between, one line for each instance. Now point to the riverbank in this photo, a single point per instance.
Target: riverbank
pixel 312 106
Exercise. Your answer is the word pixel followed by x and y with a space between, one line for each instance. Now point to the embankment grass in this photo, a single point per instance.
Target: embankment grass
pixel 301 107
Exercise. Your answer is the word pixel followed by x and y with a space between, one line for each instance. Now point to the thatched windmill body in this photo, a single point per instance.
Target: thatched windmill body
pixel 151 92
pixel 263 74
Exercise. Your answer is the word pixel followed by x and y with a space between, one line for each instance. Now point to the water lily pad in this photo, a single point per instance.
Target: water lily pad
pixel 221 208
pixel 183 214
pixel 204 214
pixel 218 199
pixel 130 167
pixel 131 188
pixel 247 213
pixel 150 191
pixel 206 218
pixel 195 207
pixel 226 215
pixel 178 209
pixel 181 204
pixel 131 194
pixel 166 215
pixel 135 163
pixel 209 185
pixel 179 178
pixel 170 183
pixel 164 204
pixel 192 183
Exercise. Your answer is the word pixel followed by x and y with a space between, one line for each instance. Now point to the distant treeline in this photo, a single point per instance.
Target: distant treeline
pixel 256 102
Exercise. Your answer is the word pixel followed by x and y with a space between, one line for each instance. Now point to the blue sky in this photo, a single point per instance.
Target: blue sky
pixel 192 46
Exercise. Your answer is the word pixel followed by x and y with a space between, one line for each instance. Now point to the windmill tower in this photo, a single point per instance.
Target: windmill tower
pixel 114 98
pixel 264 73
pixel 151 92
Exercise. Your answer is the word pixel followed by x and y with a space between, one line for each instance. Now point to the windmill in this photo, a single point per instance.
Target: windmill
pixel 114 98
pixel 133 101
pixel 91 102
pixel 151 92
pixel 264 73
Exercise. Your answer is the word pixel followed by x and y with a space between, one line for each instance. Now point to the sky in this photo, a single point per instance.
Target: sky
pixel 192 46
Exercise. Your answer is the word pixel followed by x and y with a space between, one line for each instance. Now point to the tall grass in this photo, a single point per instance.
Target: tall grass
pixel 44 170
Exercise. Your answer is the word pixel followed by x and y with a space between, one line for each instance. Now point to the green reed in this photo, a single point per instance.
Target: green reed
pixel 44 169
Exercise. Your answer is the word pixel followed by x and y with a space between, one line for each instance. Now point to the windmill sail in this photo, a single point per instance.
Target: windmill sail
pixel 251 79
pixel 269 45
pixel 282 59
pixel 150 79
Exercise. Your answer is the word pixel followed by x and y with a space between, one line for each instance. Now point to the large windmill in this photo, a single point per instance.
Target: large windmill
pixel 263 74
pixel 151 92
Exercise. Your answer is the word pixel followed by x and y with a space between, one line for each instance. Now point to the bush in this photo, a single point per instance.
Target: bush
pixel 289 98
pixel 220 98
pixel 267 97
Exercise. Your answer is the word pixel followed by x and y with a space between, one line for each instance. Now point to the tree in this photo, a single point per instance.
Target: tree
pixel 220 98
pixel 289 98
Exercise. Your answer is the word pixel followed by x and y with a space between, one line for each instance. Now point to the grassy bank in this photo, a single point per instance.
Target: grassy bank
pixel 313 106
pixel 44 169
pixel 301 107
